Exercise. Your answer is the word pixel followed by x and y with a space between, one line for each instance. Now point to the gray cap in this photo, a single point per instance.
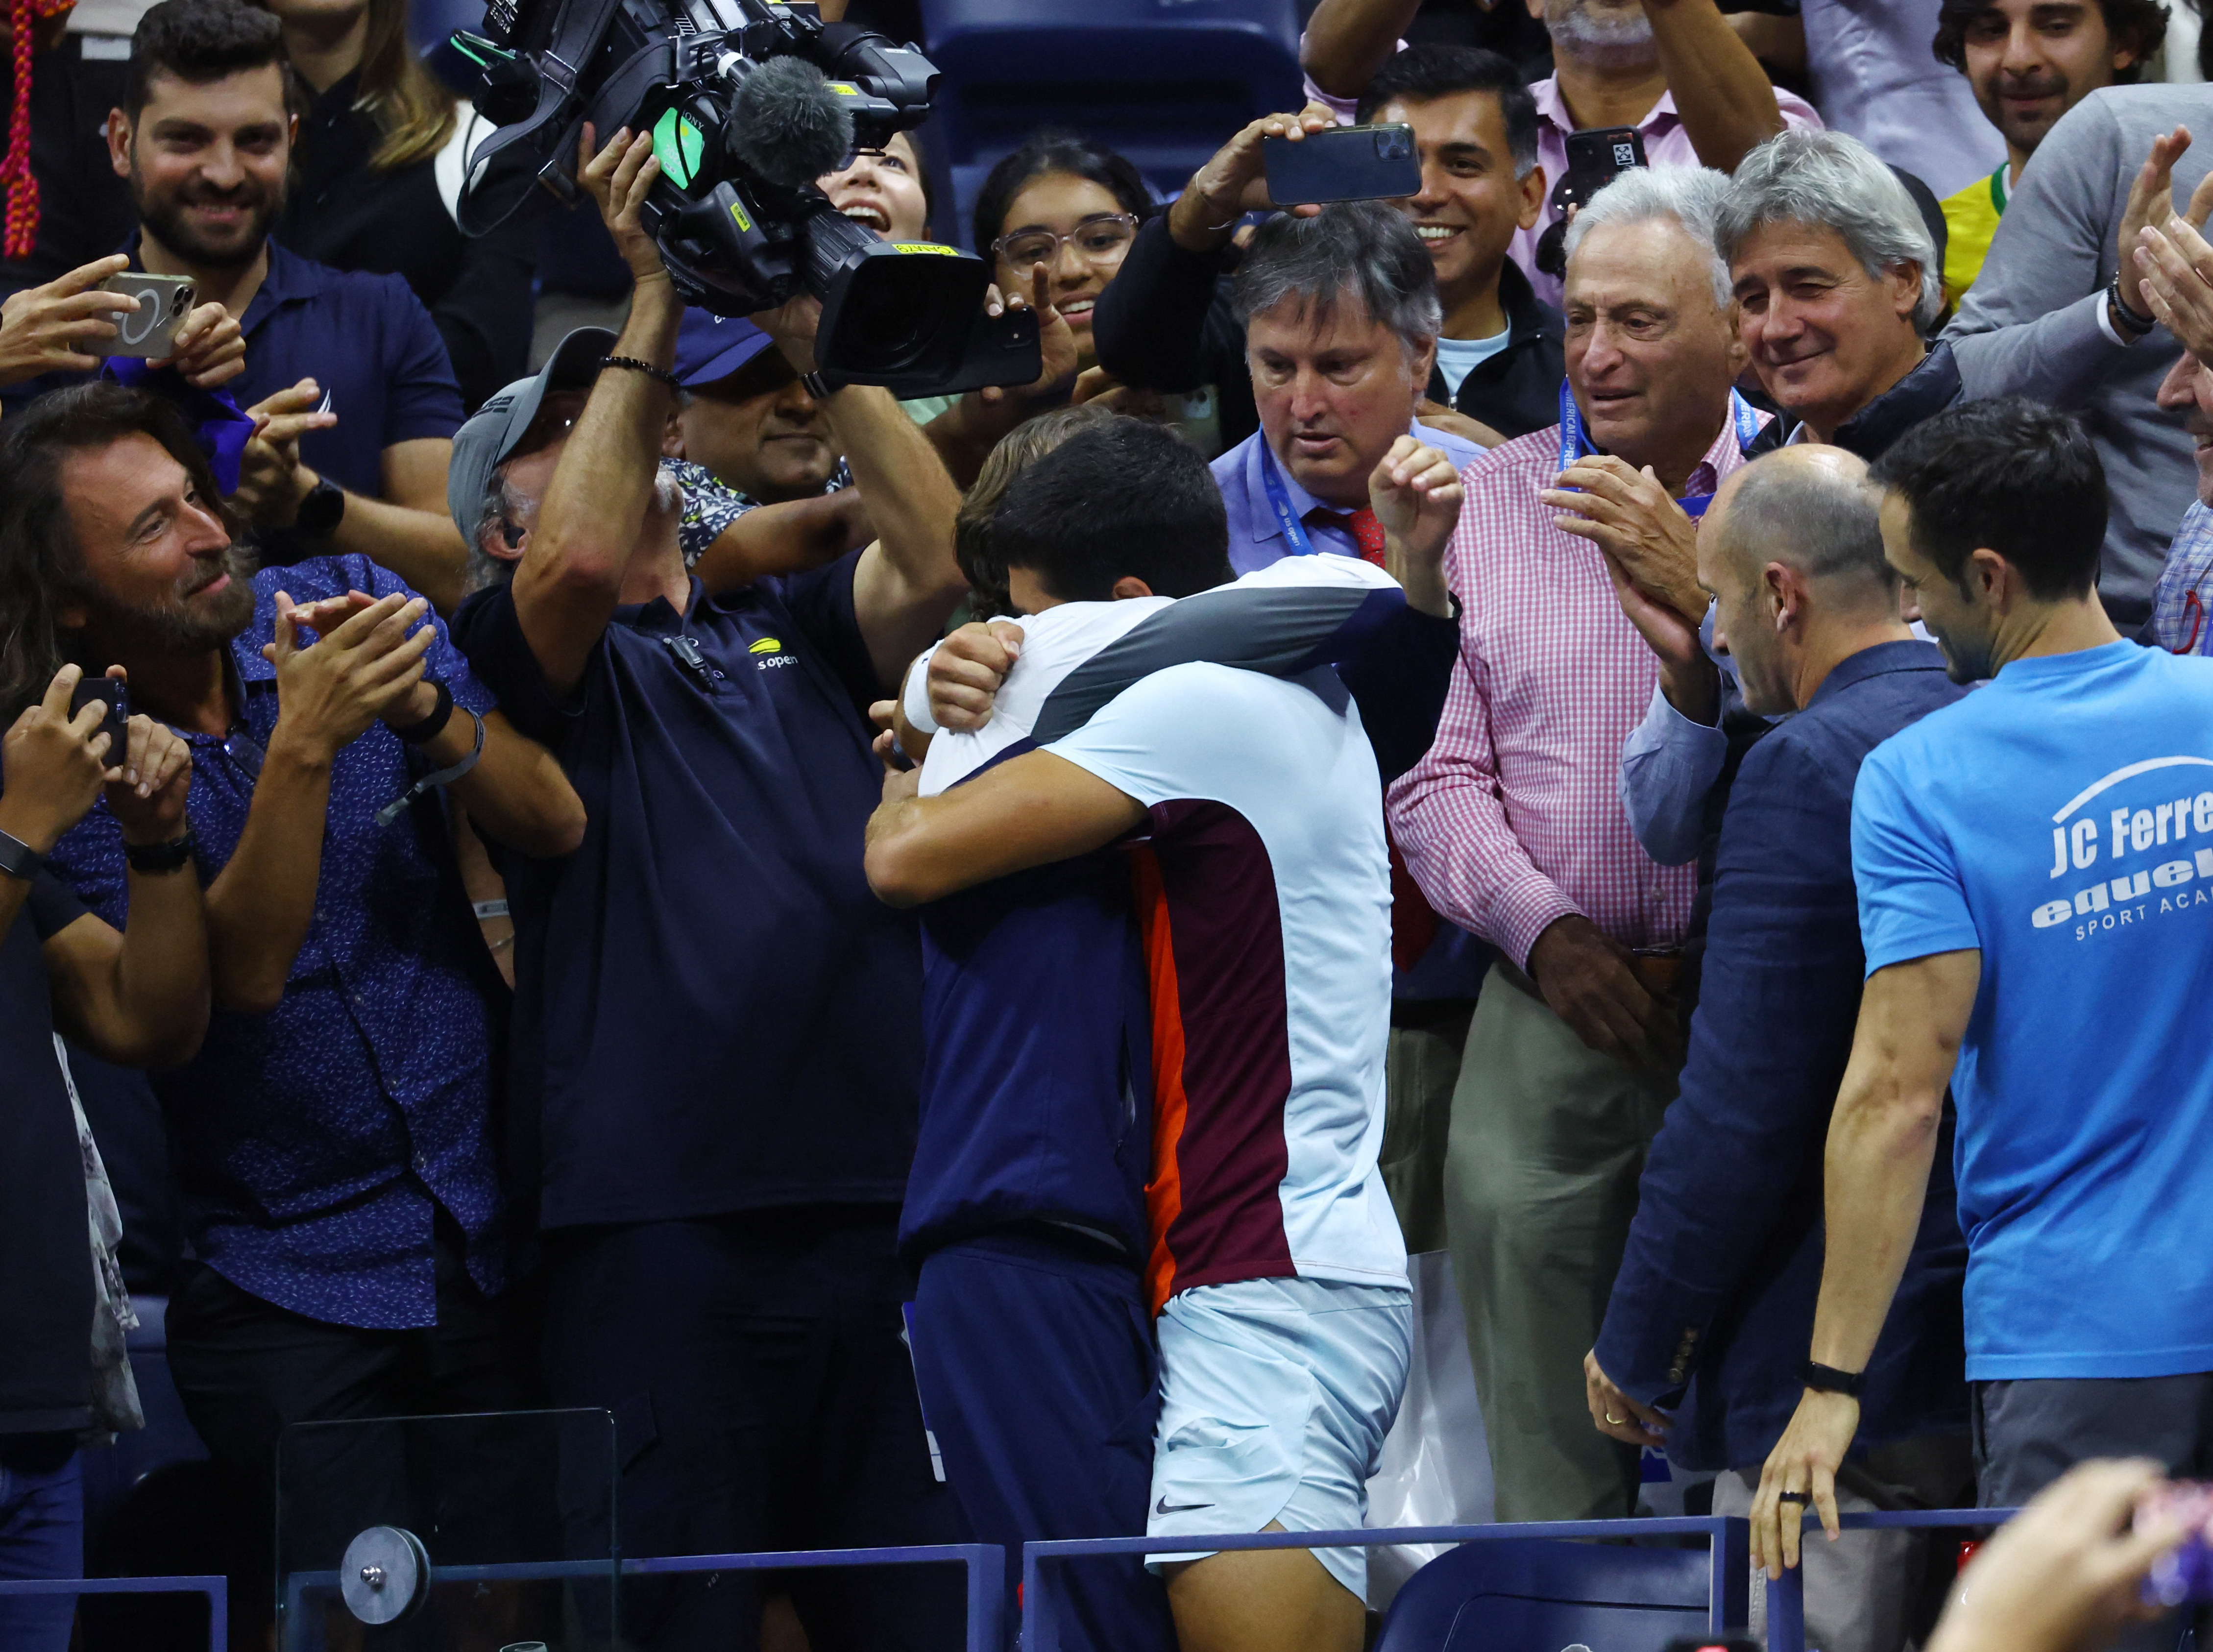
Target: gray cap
pixel 489 437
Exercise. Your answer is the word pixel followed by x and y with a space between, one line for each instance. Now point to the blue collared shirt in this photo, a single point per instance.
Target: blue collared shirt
pixel 1256 538
pixel 365 339
pixel 311 1145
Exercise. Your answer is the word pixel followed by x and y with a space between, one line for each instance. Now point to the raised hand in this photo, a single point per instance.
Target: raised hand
pixel 146 789
pixel 271 480
pixel 1056 341
pixel 966 670
pixel 328 693
pixel 210 349
pixel 1235 181
pixel 52 764
pixel 46 329
pixel 2151 200
pixel 1629 515
pixel 2174 271
pixel 1415 493
pixel 617 177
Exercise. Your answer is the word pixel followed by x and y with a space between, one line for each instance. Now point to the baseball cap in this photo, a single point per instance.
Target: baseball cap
pixel 711 347
pixel 489 435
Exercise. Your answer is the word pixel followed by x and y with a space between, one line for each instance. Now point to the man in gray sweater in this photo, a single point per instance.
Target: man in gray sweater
pixel 2042 318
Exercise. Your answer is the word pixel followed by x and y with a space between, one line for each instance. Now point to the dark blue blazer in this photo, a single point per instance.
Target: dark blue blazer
pixel 1712 1311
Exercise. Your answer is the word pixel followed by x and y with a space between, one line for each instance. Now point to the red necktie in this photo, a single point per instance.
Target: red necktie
pixel 1367 532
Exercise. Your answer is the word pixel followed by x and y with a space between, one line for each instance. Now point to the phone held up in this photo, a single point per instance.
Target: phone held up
pixel 1345 163
pixel 151 330
pixel 116 697
pixel 1595 159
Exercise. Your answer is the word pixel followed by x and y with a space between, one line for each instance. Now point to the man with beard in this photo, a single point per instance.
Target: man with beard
pixel 330 1142
pixel 2029 63
pixel 347 368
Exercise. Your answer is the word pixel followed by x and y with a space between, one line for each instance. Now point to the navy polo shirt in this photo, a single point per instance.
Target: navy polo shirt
pixel 713 1013
pixel 365 339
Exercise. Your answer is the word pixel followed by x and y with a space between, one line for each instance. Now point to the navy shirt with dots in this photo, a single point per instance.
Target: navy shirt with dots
pixel 311 1145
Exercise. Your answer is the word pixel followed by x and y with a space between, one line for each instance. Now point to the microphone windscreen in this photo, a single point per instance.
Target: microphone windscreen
pixel 787 125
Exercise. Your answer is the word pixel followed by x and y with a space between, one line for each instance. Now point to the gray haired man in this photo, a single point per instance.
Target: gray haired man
pixel 1835 281
pixel 1340 314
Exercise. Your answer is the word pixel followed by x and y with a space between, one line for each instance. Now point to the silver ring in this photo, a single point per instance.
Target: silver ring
pixel 1614 1420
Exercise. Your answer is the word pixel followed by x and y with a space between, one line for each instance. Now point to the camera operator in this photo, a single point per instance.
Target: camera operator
pixel 717 1025
pixel 138 997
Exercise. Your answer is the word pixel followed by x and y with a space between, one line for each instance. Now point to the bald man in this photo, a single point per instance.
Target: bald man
pixel 1703 1342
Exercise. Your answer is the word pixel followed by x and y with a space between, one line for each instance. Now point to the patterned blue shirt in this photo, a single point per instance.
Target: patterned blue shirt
pixel 311 1145
pixel 2185 587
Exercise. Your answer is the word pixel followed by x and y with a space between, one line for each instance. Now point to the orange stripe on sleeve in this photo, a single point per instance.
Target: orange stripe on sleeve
pixel 1164 1191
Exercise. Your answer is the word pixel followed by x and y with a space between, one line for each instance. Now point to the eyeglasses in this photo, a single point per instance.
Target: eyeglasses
pixel 1102 239
pixel 2196 609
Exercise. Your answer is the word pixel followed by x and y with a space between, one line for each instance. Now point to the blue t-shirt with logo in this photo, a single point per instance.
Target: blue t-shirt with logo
pixel 2060 820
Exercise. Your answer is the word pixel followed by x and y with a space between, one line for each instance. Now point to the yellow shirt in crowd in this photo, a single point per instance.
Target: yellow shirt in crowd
pixel 1970 218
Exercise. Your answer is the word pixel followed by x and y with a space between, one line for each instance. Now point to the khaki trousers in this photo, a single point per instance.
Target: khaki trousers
pixel 1548 1140
pixel 1423 1066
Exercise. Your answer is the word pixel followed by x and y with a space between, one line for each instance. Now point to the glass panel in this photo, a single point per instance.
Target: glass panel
pixel 513 1512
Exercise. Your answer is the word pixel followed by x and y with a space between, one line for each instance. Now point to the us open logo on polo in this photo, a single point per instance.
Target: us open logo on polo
pixel 768 652
pixel 2158 883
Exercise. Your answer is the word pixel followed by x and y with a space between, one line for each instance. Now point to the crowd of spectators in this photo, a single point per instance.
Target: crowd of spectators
pixel 935 960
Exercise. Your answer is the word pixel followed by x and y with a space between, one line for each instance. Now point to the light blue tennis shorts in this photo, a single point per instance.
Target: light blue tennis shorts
pixel 1275 1398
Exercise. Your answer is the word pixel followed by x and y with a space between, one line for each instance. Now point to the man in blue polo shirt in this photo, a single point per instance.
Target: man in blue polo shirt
pixel 717 1027
pixel 349 367
pixel 2036 872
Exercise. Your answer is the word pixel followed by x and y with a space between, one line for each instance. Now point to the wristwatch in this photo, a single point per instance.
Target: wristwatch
pixel 17 858
pixel 322 511
pixel 1828 1379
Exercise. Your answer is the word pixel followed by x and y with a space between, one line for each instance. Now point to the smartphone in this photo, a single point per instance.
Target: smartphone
pixel 150 331
pixel 1345 163
pixel 117 722
pixel 1595 159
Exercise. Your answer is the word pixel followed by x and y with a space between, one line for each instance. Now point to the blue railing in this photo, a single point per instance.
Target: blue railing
pixel 1727 1600
pixel 1786 1596
pixel 1728 1595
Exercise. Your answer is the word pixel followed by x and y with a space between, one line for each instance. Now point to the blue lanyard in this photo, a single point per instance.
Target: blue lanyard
pixel 1294 531
pixel 1574 444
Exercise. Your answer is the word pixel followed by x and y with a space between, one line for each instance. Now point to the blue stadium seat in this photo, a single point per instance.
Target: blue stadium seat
pixel 1165 81
pixel 111 1470
pixel 1542 1595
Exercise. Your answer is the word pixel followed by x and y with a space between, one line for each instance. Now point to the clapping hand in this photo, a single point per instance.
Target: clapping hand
pixel 362 667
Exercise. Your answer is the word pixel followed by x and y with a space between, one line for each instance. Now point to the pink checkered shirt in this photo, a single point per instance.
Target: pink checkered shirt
pixel 1514 820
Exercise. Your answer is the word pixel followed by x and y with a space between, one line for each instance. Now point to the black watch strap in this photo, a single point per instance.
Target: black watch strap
pixel 415 733
pixel 322 511
pixel 160 857
pixel 1828 1379
pixel 17 858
